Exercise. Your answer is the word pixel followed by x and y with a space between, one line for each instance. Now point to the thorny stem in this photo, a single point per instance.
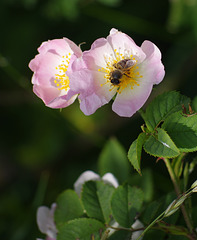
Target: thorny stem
pixel 178 192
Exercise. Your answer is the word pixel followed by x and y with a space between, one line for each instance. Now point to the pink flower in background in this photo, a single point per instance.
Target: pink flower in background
pixel 50 81
pixel 116 66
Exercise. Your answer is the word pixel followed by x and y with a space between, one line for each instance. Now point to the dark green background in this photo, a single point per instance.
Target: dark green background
pixel 43 151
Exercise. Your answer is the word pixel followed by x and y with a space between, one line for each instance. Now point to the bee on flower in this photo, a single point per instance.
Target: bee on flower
pixel 116 67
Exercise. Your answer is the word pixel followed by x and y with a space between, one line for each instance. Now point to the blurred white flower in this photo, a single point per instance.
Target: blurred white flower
pixel 45 221
pixel 45 215
pixel 90 175
pixel 136 234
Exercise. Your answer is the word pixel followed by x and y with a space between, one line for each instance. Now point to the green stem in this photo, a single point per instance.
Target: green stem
pixel 118 228
pixel 149 226
pixel 141 112
pixel 178 192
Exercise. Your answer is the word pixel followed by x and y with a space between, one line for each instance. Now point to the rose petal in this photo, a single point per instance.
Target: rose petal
pixel 98 55
pixel 109 178
pixel 94 91
pixel 47 94
pixel 45 220
pixel 152 68
pixel 84 177
pixel 129 100
pixel 45 66
pixel 58 47
pixel 63 101
pixel 123 43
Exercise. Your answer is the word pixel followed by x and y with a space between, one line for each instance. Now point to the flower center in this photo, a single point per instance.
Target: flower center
pixel 121 71
pixel 61 79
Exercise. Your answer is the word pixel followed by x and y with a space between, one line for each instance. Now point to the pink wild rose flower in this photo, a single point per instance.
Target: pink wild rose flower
pixel 50 81
pixel 116 66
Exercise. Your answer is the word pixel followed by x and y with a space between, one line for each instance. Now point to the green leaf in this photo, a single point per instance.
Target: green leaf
pixel 151 212
pixel 96 197
pixel 120 235
pixel 161 145
pixel 154 234
pixel 144 182
pixel 126 203
pixel 113 158
pixel 182 130
pixel 68 207
pixel 81 229
pixel 135 151
pixel 162 106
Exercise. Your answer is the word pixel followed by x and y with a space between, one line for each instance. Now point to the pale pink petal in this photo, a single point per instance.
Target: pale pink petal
pixel 59 47
pixel 113 30
pixel 75 49
pixel 129 100
pixel 45 220
pixel 89 104
pixel 63 101
pixel 45 68
pixel 84 177
pixel 125 45
pixel 98 55
pixel 94 91
pixel 109 178
pixel 51 98
pixel 152 68
pixel 47 94
pixel 49 238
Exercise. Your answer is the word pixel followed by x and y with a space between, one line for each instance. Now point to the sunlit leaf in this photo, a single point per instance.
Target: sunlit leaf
pixel 161 145
pixel 163 106
pixel 183 131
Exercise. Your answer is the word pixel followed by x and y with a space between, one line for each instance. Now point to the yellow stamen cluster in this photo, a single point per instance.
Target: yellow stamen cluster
pixel 61 79
pixel 130 76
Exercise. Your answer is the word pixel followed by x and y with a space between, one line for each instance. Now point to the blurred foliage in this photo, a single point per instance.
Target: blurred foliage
pixel 43 151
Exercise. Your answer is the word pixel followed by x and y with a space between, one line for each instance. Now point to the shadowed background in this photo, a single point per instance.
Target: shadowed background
pixel 43 151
